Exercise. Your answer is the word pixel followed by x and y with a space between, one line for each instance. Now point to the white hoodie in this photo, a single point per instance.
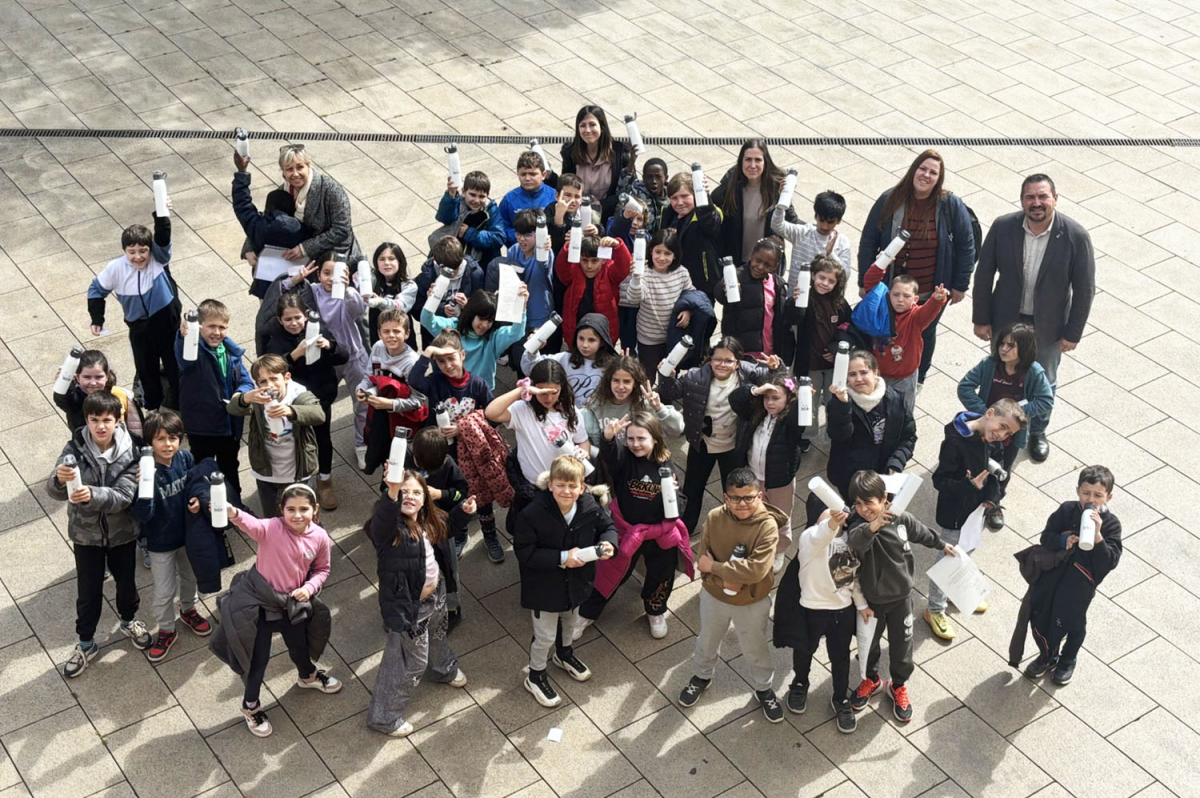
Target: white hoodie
pixel 828 571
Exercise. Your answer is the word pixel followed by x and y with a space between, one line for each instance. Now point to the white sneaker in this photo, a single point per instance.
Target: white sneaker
pixel 459 680
pixel 658 626
pixel 580 627
pixel 360 452
pixel 779 561
pixel 321 681
pixel 404 730
pixel 256 722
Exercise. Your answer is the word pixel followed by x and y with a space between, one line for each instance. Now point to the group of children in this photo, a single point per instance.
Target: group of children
pixel 590 486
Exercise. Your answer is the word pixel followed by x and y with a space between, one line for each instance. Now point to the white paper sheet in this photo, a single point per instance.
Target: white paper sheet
pixel 961 580
pixel 508 304
pixel 604 253
pixel 865 632
pixel 271 264
pixel 972 530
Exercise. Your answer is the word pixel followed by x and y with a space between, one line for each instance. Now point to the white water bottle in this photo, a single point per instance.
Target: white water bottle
pixel 536 148
pixel 582 456
pixel 739 553
pixel 454 166
pixel 535 341
pixel 804 286
pixel 275 425
pixel 76 481
pixel 146 473
pixel 804 397
pixel 340 272
pixel 366 285
pixel 434 300
pixel 241 142
pixel 160 195
pixel 907 492
pixel 997 470
pixel 670 499
pixel 885 258
pixel 841 365
pixel 1087 528
pixel 443 417
pixel 396 455
pixel 678 353
pixel 312 331
pixel 733 291
pixel 698 185
pixel 541 238
pixel 218 501
pixel 630 203
pixel 65 375
pixel 639 254
pixel 191 341
pixel 588 553
pixel 827 494
pixel 584 213
pixel 635 135
pixel 576 249
pixel 789 189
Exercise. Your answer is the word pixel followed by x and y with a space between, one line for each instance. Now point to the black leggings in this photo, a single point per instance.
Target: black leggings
pixel 325 441
pixel 656 589
pixel 153 343
pixel 296 638
pixel 838 628
pixel 699 467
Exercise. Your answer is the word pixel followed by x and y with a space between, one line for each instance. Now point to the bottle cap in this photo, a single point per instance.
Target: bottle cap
pixel 557 319
pixel 77 351
pixel 792 172
pixel 844 346
pixel 696 167
pixel 541 220
pixel 452 148
pixel 665 472
pixel 217 478
pixel 147 451
pixel 160 175
pixel 577 222
pixel 403 432
pixel 905 234
pixel 241 133
pixel 629 118
pixel 192 315
pixel 313 315
pixel 687 341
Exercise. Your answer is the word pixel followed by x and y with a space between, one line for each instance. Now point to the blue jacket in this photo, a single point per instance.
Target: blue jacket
pixel 162 517
pixel 273 228
pixel 973 390
pixel 203 392
pixel 208 550
pixel 956 241
pixel 482 353
pixel 518 200
pixel 538 278
pixel 472 281
pixel 485 239
pixel 700 306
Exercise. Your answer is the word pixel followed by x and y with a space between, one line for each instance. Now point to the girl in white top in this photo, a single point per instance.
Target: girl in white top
pixel 659 290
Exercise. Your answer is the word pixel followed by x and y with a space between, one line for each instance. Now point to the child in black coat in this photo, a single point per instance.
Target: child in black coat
pixel 564 530
pixel 448 490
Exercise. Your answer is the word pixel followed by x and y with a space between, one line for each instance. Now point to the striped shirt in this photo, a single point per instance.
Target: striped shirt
pixel 807 243
pixel 660 292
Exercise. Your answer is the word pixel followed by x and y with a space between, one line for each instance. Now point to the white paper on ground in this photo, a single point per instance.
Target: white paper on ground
pixel 555 735
pixel 961 580
pixel 604 253
pixel 865 631
pixel 971 535
pixel 271 264
pixel 508 304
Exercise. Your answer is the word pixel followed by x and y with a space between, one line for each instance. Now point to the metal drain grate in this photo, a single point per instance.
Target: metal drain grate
pixel 661 141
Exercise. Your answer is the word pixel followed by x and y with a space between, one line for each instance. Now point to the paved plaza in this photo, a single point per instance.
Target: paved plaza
pixel 1129 397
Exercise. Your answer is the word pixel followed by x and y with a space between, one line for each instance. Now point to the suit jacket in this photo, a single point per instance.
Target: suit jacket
pixel 1066 281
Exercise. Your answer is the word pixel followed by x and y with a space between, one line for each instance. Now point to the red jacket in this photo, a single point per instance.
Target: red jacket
pixel 900 355
pixel 604 292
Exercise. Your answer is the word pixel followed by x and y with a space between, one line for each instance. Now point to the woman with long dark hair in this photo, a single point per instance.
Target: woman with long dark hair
pixel 747 196
pixel 596 157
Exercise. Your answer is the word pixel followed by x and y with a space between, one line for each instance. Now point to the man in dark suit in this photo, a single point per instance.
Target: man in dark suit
pixel 1047 277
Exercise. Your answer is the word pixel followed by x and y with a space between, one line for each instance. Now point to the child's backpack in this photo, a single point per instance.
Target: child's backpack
pixel 873 315
pixel 976 230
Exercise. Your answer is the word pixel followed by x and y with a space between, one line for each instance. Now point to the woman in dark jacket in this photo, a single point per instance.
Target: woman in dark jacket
pixel 405 529
pixel 597 158
pixel 747 196
pixel 942 247
pixel 869 428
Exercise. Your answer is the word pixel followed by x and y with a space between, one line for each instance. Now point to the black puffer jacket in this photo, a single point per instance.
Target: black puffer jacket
pixel 853 443
pixel 690 389
pixel 744 319
pixel 208 550
pixel 700 242
pixel 783 449
pixel 401 567
pixel 319 378
pixel 540 537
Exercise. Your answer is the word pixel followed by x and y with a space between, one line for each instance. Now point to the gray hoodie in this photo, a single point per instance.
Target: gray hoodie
pixel 886 571
pixel 112 476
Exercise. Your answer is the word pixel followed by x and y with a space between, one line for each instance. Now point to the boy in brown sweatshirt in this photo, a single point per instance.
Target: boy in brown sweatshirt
pixel 737 552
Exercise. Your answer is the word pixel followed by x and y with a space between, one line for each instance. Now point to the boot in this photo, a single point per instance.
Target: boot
pixel 326 494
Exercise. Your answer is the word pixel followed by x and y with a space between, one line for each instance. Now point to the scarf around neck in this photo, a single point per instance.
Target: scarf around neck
pixel 868 401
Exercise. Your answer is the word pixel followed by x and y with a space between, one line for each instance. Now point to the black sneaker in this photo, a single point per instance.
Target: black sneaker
pixel 797 699
pixel 770 705
pixel 538 683
pixel 846 721
pixel 1037 669
pixel 993 517
pixel 495 551
pixel 692 690
pixel 1063 673
pixel 571 664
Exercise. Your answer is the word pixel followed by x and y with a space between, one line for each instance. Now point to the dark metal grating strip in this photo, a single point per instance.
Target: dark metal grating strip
pixel 661 141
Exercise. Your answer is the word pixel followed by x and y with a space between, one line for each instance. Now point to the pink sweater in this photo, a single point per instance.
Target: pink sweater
pixel 285 558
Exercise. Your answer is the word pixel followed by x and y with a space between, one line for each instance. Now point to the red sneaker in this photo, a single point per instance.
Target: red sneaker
pixel 867 688
pixel 161 645
pixel 901 706
pixel 195 621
